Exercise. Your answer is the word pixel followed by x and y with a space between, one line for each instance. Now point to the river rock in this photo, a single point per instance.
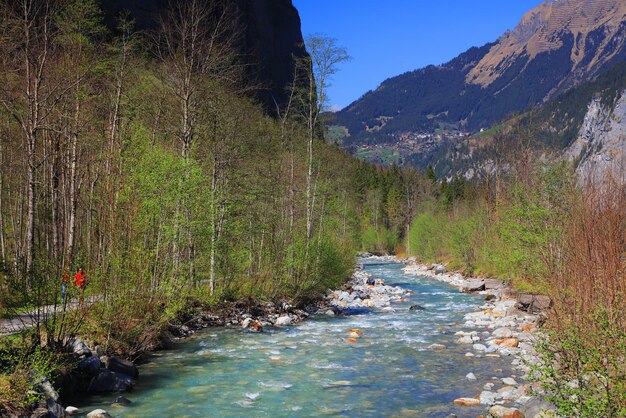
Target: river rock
pixel 466 339
pixel 467 401
pixel 437 347
pixel 98 413
pixel 246 322
pixel 487 398
pixel 120 365
pixel 536 406
pixel 479 347
pixel 508 342
pixel 499 411
pixel 533 303
pixel 472 286
pixel 72 410
pixel 509 381
pixel 470 376
pixel 109 381
pixel 417 308
pixel 502 333
pixel 440 269
pixel 120 400
pixel 329 312
pixel 283 321
pixel 370 281
pixel 493 284
pixel 90 365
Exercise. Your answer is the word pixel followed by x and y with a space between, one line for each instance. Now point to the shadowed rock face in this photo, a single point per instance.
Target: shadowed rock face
pixel 270 40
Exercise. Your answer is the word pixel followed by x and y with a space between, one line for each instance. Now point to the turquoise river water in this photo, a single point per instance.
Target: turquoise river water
pixel 310 369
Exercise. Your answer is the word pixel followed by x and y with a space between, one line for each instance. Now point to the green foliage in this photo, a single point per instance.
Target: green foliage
pixel 23 367
pixel 582 369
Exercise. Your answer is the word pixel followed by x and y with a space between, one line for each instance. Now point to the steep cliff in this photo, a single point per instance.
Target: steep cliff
pixel 270 41
pixel 599 151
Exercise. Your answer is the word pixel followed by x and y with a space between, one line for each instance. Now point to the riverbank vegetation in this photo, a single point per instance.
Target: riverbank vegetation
pixel 547 232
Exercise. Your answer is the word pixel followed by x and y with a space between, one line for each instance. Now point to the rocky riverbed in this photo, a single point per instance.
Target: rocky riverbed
pixel 503 328
pixel 506 325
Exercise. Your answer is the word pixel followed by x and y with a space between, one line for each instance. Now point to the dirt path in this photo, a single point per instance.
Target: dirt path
pixel 30 318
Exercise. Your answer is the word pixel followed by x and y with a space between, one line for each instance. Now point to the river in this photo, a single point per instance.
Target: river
pixel 311 369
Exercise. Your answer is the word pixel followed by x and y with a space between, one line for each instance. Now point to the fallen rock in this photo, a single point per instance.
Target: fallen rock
pixel 467 402
pixel 98 413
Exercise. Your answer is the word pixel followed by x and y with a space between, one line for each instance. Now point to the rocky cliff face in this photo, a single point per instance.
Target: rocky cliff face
pixel 271 39
pixel 599 151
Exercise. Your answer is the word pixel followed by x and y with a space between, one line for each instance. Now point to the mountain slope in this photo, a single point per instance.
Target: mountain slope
pixel 554 47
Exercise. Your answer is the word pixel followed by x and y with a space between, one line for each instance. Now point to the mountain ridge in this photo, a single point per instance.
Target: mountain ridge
pixel 524 68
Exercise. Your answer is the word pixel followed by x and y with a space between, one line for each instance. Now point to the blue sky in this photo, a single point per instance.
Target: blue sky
pixel 389 37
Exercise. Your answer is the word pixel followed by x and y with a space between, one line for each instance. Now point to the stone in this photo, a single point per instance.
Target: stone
pixel 499 411
pixel 120 365
pixel 329 312
pixel 493 284
pixel 437 347
pixel 490 297
pixel 72 410
pixel 533 303
pixel 80 348
pixel 479 347
pixel 473 286
pixel 440 269
pixel 109 381
pixel 246 323
pixel 502 333
pixel 466 339
pixel 536 406
pixel 370 281
pixel 120 400
pixel 509 381
pixel 90 365
pixel 508 342
pixel 467 401
pixel 283 321
pixel 487 398
pixel 98 413
pixel 469 355
pixel 417 308
pixel 470 376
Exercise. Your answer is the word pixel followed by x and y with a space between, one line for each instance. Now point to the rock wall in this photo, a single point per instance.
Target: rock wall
pixel 599 151
pixel 271 40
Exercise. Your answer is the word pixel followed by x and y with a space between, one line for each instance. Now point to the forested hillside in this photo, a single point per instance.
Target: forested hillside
pixel 140 157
